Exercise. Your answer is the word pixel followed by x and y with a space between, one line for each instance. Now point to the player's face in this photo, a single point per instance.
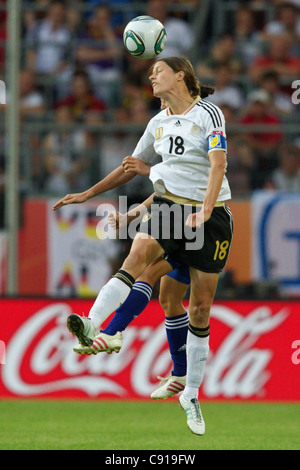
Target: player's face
pixel 163 79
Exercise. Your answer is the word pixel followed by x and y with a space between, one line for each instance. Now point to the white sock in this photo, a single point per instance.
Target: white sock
pixel 110 297
pixel 197 351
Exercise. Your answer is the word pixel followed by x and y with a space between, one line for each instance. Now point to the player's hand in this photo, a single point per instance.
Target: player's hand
pixel 70 199
pixel 197 219
pixel 136 165
pixel 117 220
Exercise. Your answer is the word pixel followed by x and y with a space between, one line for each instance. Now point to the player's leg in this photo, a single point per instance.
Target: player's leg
pixel 138 298
pixel 110 338
pixel 203 287
pixel 143 252
pixel 209 261
pixel 172 290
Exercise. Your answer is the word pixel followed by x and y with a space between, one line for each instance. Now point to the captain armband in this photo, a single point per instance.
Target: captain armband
pixel 217 142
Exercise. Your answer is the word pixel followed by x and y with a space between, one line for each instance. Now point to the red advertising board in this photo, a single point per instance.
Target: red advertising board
pixel 254 353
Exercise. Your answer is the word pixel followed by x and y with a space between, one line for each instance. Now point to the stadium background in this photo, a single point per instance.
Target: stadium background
pixel 83 104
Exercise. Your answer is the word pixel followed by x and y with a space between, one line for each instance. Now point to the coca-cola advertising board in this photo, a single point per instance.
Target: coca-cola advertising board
pixel 254 353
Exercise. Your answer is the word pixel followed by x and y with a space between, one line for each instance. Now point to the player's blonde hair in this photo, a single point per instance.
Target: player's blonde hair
pixel 179 64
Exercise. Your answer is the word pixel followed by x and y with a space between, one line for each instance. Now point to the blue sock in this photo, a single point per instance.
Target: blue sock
pixel 176 329
pixel 135 303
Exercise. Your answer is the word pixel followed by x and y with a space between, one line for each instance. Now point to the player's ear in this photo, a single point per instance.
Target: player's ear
pixel 180 76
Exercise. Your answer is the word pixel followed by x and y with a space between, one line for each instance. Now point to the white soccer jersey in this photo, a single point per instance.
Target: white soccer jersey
pixel 181 140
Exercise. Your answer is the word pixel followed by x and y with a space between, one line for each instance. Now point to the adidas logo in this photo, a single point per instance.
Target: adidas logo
pixel 177 123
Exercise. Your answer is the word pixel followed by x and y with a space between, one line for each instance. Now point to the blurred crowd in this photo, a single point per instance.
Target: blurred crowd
pixel 75 70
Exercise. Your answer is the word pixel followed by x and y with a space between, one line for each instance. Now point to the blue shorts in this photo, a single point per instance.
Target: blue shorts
pixel 180 273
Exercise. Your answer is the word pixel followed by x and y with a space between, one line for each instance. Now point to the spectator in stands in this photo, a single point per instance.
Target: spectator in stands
pixel 32 102
pixel 241 157
pixel 48 42
pixel 64 157
pixel 280 101
pixel 264 144
pixel 223 51
pixel 32 16
pixel 139 111
pixel 119 16
pixel 246 35
pixel 287 176
pixel 91 147
pixel 259 113
pixel 180 33
pixel 131 90
pixel 287 21
pixel 240 154
pixel 74 20
pixel 278 59
pixel 99 51
pixel 82 100
pixel 226 91
pixel 230 113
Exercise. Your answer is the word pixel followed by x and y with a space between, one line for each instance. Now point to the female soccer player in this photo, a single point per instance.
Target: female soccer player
pixel 190 137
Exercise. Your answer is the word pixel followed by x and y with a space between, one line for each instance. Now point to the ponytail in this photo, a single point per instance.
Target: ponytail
pixel 206 90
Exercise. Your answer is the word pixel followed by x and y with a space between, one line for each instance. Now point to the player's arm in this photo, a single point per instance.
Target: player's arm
pixel 141 209
pixel 115 179
pixel 217 151
pixel 117 220
pixel 217 171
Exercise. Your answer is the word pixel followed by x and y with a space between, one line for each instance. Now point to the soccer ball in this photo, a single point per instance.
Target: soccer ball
pixel 144 37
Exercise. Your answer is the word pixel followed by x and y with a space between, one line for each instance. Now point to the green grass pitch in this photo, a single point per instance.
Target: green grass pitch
pixel 145 425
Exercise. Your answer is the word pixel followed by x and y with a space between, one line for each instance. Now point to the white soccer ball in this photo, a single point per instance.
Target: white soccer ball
pixel 144 37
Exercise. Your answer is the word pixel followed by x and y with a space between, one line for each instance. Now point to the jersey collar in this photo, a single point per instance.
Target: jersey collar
pixel 196 100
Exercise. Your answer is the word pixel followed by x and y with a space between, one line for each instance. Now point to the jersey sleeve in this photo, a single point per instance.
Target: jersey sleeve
pixel 145 146
pixel 214 125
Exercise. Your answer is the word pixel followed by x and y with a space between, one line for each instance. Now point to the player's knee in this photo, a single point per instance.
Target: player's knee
pixel 135 261
pixel 150 276
pixel 199 313
pixel 165 301
pixel 171 305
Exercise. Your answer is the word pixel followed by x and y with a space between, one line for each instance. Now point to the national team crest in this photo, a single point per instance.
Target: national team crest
pixel 158 133
pixel 195 130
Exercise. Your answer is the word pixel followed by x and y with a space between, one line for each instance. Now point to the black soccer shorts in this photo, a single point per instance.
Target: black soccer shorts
pixel 205 249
